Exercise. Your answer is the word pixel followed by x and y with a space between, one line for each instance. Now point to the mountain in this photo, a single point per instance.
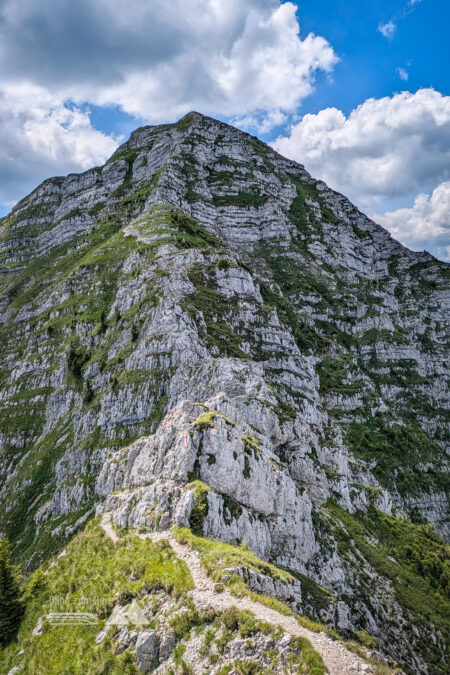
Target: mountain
pixel 200 334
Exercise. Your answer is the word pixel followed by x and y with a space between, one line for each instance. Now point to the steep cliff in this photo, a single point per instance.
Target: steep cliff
pixel 201 334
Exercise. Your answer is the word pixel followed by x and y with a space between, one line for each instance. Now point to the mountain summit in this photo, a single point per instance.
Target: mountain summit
pixel 200 334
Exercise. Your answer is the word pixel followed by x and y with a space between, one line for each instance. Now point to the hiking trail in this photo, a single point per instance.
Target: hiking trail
pixel 337 658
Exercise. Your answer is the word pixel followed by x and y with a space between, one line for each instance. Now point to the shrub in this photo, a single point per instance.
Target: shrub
pixel 11 608
pixel 77 357
pixel 200 509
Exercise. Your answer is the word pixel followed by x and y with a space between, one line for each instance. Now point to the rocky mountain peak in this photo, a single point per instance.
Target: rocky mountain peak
pixel 200 334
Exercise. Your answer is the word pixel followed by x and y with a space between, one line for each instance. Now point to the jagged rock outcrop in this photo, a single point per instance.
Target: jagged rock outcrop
pixel 200 333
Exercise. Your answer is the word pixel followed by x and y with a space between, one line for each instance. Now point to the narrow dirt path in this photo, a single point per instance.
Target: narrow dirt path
pixel 337 658
pixel 108 528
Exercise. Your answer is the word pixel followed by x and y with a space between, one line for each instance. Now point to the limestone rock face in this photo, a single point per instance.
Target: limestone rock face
pixel 200 334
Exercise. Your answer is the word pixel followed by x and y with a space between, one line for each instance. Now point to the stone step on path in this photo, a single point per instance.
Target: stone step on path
pixel 337 658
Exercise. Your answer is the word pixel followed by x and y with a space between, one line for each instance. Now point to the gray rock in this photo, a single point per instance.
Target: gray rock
pixel 147 651
pixel 167 644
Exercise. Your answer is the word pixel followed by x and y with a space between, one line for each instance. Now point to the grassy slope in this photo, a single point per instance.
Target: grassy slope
pixel 93 568
pixel 413 557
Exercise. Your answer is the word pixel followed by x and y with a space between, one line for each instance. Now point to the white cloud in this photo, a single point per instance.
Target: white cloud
pixel 158 60
pixel 247 60
pixel 411 3
pixel 40 137
pixel 242 59
pixel 387 29
pixel 386 148
pixel 403 74
pixel 261 125
pixel 426 225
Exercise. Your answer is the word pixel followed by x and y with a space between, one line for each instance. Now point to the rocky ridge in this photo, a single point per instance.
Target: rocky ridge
pixel 200 334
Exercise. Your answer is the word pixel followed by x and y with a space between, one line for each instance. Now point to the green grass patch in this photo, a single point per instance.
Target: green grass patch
pixel 302 328
pixel 190 234
pixel 305 657
pixel 216 556
pixel 400 453
pixel 242 199
pixel 252 445
pixel 186 122
pixel 332 373
pixel 206 421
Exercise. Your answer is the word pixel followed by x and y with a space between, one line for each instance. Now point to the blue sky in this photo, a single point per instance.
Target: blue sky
pixel 369 61
pixel 358 92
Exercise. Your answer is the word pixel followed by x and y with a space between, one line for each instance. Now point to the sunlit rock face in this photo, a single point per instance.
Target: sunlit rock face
pixel 201 334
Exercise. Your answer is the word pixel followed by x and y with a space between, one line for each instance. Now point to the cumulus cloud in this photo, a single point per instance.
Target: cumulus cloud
pixel 384 149
pixel 265 71
pixel 158 60
pixel 242 59
pixel 403 74
pixel 41 137
pixel 426 225
pixel 387 29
